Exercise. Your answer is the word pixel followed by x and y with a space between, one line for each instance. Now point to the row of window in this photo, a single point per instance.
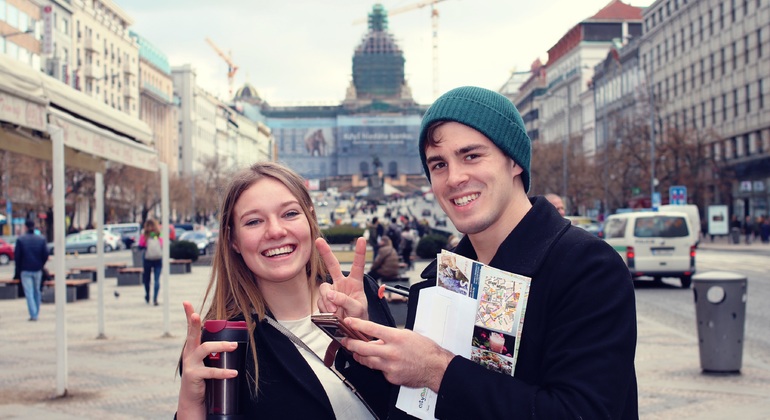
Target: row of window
pixel 742 101
pixel 739 146
pixel 11 15
pixel 657 17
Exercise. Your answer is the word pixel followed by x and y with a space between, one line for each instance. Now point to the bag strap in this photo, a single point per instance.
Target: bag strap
pixel 328 359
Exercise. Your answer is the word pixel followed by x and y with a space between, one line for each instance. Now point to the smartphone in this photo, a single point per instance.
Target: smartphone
pixel 335 328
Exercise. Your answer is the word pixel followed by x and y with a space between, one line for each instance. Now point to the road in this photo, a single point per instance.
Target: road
pixel 669 304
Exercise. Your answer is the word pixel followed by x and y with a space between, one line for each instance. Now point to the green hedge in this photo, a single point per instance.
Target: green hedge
pixel 430 245
pixel 184 250
pixel 342 234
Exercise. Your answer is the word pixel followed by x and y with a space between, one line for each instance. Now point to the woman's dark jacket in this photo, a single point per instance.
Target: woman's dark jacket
pixel 576 358
pixel 288 387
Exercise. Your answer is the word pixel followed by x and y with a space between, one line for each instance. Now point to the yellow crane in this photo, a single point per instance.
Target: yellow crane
pixel 434 24
pixel 231 67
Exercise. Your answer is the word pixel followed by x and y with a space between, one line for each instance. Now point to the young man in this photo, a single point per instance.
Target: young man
pixel 30 256
pixel 576 357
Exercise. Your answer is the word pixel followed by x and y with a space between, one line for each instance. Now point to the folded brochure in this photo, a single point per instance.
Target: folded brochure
pixel 490 304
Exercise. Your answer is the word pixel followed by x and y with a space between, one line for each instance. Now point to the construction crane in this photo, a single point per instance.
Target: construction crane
pixel 231 67
pixel 434 24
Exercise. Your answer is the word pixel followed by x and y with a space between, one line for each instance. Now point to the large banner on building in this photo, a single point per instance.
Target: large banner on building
pixel 361 132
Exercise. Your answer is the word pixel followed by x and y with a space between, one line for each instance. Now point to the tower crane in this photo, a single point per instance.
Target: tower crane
pixel 231 67
pixel 434 24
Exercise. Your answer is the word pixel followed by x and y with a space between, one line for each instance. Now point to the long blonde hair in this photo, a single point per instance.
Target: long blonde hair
pixel 233 286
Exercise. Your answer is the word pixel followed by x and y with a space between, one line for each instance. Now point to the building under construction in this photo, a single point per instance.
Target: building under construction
pixel 378 121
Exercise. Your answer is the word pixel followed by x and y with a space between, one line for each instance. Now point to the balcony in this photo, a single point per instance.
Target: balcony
pixel 91 71
pixel 129 92
pixel 129 69
pixel 89 44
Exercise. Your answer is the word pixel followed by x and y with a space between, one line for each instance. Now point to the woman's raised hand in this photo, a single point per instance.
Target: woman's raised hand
pixel 345 296
pixel 192 392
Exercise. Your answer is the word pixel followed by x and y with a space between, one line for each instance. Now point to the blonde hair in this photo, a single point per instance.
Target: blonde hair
pixel 151 226
pixel 233 286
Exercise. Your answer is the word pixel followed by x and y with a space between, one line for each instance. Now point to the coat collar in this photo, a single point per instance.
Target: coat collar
pixel 526 247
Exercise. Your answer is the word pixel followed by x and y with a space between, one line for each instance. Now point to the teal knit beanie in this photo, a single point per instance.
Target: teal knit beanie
pixel 489 113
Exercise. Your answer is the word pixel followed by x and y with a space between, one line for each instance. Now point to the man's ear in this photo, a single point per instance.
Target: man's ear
pixel 517 169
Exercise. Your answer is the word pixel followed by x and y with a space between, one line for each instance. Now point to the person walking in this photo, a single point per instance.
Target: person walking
pixel 268 270
pixel 30 256
pixel 152 261
pixel 578 340
pixel 407 245
pixel 748 229
pixel 376 232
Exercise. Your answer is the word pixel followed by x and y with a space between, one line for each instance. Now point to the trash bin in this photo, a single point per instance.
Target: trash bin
pixel 138 255
pixel 720 311
pixel 735 235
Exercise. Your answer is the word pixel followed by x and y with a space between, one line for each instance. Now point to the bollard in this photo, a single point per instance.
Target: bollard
pixel 720 310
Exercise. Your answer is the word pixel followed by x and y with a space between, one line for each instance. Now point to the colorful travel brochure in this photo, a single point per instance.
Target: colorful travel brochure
pixel 476 311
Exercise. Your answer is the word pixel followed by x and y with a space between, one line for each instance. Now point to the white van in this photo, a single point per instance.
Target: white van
pixel 129 232
pixel 654 244
pixel 691 210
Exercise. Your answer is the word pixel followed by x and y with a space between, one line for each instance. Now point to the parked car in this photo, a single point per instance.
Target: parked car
pixel 84 241
pixel 591 225
pixel 112 241
pixel 6 252
pixel 128 232
pixel 199 238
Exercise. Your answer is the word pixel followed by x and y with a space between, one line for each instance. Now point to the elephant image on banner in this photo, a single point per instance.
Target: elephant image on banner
pixel 315 142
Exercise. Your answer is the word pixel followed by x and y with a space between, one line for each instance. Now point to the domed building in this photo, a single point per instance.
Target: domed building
pixel 339 143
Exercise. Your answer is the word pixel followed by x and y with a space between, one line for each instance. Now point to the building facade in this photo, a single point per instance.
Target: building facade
pixel 107 58
pixel 20 31
pixel 156 101
pixel 708 62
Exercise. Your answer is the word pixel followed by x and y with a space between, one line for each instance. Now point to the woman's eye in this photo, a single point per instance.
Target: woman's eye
pixel 292 213
pixel 253 222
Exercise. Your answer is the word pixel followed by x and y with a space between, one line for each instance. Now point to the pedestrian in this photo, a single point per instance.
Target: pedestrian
pixel 576 353
pixel 748 229
pixel 268 270
pixel 376 232
pixel 407 245
pixel 764 230
pixel 385 266
pixel 152 261
pixel 30 256
pixel 557 202
pixel 735 229
pixel 394 233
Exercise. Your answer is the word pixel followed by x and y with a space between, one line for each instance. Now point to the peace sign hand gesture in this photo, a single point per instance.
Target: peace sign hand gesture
pixel 345 297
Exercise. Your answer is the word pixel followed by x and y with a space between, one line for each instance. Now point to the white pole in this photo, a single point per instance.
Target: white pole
pixel 60 289
pixel 166 269
pixel 99 178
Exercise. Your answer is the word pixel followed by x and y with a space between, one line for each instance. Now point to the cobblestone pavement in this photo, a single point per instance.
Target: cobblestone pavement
pixel 130 374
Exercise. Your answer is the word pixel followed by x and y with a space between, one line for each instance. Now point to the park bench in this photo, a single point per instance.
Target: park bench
pixel 111 269
pixel 131 276
pixel 180 266
pixel 77 289
pixel 82 273
pixel 10 289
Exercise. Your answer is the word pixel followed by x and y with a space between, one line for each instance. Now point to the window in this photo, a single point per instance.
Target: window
pixel 748 99
pixel 732 11
pixel 713 110
pixel 703 114
pixel 700 23
pixel 746 49
pixel 759 42
pixel 703 71
pixel 724 107
pixel 683 40
pixel 692 34
pixel 735 55
pixel 761 95
pixel 692 76
pixel 673 45
pixel 711 22
pixel 735 102
pixel 723 61
pixel 712 66
pixel 676 88
pixel 722 16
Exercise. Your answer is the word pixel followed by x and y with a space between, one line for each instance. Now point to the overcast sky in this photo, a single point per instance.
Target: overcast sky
pixel 300 51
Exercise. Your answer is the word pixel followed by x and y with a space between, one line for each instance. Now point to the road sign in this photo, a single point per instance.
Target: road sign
pixel 677 194
pixel 655 201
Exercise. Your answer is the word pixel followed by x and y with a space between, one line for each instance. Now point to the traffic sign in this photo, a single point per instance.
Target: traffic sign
pixel 677 194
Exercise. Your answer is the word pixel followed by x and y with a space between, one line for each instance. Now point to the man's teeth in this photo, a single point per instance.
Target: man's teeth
pixel 279 251
pixel 465 200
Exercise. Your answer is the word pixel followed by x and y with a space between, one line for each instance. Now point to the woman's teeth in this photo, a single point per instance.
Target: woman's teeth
pixel 278 251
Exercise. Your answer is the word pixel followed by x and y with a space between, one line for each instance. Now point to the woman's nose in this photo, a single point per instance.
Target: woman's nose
pixel 275 228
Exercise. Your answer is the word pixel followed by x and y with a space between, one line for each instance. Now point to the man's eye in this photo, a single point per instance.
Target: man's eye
pixel 438 165
pixel 471 157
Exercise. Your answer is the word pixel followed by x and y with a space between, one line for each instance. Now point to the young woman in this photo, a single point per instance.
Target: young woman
pixel 151 243
pixel 272 266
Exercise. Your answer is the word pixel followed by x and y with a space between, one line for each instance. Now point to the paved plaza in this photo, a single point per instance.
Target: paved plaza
pixel 131 374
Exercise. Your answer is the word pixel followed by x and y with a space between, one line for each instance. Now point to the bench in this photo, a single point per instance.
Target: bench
pixel 82 273
pixel 130 276
pixel 77 289
pixel 111 269
pixel 180 266
pixel 10 289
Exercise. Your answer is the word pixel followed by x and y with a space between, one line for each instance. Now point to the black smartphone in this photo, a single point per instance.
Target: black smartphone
pixel 335 328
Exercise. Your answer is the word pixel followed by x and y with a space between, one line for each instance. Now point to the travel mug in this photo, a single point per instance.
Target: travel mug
pixel 222 394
